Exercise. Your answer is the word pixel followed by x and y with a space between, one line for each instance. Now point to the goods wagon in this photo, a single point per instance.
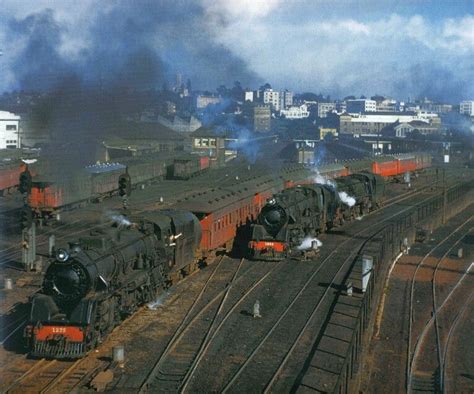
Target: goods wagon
pixel 10 171
pixel 12 163
pixel 50 192
pixel 187 167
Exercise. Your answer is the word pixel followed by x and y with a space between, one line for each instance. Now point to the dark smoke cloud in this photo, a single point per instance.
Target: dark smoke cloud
pixel 433 81
pixel 131 47
pixel 39 66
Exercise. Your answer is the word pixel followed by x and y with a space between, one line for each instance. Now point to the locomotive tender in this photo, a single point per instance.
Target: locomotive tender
pixel 93 285
pixel 304 211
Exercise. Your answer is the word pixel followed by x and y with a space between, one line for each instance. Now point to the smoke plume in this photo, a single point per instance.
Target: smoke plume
pixel 99 72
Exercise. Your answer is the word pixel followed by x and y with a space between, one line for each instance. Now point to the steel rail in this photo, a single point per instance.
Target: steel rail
pixel 220 325
pixel 452 329
pixel 411 357
pixel 152 374
pixel 37 367
pixel 323 263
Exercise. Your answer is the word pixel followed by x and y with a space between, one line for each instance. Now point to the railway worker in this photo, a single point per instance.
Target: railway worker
pixel 256 309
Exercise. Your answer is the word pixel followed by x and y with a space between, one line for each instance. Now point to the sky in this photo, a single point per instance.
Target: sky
pixel 402 49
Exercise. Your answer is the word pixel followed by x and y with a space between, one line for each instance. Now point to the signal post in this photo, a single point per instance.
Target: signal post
pixel 28 225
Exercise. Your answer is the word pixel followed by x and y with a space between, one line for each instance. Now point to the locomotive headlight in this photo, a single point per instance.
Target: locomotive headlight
pixel 62 255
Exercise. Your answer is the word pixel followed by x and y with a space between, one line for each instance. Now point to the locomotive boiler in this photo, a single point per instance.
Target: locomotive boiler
pixel 91 286
pixel 304 211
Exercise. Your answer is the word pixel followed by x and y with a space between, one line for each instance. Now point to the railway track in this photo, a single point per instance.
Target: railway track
pixel 271 342
pixel 199 326
pixel 447 345
pixel 42 377
pixel 426 355
pixel 209 334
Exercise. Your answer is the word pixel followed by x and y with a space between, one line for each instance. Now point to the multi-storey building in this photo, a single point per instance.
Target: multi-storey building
pixel 261 118
pixel 325 108
pixel 361 105
pixel 273 98
pixel 286 99
pixel 466 108
pixel 10 136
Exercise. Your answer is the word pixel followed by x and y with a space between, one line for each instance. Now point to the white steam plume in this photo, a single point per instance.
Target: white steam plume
pixel 119 219
pixel 307 244
pixel 318 178
pixel 346 199
pixel 154 305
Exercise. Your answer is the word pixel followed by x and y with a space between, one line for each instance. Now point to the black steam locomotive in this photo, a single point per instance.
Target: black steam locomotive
pixel 94 284
pixel 292 218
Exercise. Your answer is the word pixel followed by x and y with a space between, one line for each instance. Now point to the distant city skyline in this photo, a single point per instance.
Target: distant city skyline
pixel 400 49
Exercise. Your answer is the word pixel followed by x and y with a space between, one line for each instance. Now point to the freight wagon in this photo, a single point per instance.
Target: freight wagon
pixel 187 167
pixel 53 192
pixel 12 164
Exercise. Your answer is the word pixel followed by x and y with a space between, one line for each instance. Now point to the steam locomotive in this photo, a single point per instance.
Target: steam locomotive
pixel 91 286
pixel 300 213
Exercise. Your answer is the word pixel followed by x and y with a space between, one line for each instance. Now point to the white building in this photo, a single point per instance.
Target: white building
pixel 387 105
pixel 248 96
pixel 300 112
pixel 273 98
pixel 361 105
pixel 203 101
pixel 9 130
pixel 325 108
pixel 466 108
